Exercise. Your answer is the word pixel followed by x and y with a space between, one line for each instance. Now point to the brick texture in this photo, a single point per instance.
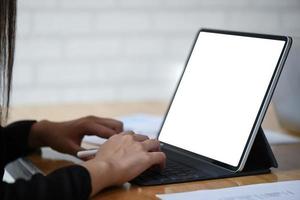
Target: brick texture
pixel 124 50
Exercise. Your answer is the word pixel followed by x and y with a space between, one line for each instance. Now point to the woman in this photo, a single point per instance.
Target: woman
pixel 121 158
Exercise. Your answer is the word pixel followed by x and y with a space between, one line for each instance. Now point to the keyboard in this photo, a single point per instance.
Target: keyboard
pixel 174 172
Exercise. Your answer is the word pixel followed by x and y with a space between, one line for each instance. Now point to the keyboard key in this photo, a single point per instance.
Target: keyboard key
pixel 174 172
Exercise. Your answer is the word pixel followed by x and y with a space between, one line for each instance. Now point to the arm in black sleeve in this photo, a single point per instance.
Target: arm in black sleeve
pixel 69 183
pixel 15 140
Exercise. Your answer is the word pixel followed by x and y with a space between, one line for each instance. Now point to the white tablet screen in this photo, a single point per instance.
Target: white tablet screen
pixel 220 94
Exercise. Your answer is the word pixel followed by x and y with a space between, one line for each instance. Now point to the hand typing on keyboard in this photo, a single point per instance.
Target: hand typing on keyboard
pixel 123 157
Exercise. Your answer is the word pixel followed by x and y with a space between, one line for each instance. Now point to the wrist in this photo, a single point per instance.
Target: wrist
pixel 36 138
pixel 99 173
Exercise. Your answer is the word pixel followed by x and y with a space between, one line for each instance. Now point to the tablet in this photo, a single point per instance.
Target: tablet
pixel 223 95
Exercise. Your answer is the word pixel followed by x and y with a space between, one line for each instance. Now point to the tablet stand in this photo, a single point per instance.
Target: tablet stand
pixel 261 157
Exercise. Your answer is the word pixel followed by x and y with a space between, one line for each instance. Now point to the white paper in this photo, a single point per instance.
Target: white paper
pixel 287 190
pixel 280 138
pixel 7 177
pixel 145 124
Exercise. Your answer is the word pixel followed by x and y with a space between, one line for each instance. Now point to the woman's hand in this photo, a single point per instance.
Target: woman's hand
pixel 121 158
pixel 66 136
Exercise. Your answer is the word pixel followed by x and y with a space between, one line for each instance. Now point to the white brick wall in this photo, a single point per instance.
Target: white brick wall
pixel 110 50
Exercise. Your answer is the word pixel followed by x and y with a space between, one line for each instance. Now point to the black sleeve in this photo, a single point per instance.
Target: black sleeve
pixel 15 140
pixel 69 183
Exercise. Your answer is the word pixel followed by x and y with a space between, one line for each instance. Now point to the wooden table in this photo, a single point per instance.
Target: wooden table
pixel 287 155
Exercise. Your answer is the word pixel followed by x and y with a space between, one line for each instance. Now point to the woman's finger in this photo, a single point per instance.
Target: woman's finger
pixel 111 123
pixel 99 130
pixel 74 148
pixel 140 138
pixel 136 137
pixel 127 133
pixel 151 145
pixel 157 158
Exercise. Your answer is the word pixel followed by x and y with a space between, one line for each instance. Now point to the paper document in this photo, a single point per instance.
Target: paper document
pixel 287 190
pixel 7 177
pixel 280 138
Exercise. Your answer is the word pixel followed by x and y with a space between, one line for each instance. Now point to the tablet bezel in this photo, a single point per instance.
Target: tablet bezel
pixel 263 107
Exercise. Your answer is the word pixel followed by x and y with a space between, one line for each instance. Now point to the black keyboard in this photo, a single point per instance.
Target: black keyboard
pixel 174 172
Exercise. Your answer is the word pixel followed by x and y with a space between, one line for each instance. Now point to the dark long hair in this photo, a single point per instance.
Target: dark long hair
pixel 7 47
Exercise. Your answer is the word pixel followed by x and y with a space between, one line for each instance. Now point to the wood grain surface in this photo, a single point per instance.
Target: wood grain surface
pixel 287 155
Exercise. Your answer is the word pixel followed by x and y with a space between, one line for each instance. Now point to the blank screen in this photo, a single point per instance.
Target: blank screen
pixel 220 94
